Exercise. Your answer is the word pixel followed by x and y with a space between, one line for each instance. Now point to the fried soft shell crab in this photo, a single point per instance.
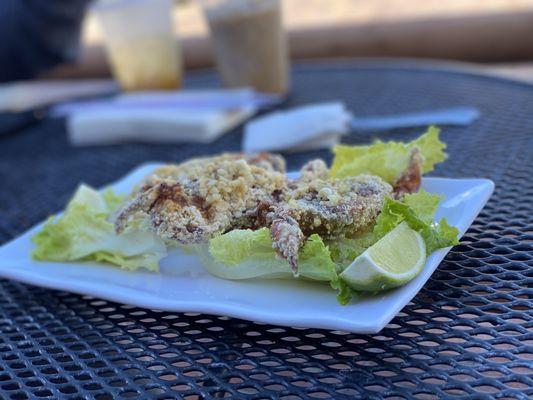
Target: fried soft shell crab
pixel 194 201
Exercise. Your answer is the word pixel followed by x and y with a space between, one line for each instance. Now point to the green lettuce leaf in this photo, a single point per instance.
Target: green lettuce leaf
pixel 440 235
pixel 315 260
pixel 435 235
pixel 344 292
pixel 244 254
pixel 431 147
pixel 387 159
pixel 83 232
pixel 345 250
pixel 238 245
pixel 423 204
pixel 112 200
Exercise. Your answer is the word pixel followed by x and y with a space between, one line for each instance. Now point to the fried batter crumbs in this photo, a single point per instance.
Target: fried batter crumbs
pixel 193 201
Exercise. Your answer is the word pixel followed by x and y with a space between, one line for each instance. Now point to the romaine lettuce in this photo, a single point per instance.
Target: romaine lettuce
pixel 83 232
pixel 436 235
pixel 387 159
pixel 346 249
pixel 244 254
pixel 423 204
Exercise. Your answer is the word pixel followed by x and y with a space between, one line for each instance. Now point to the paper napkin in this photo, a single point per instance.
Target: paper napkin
pixel 198 116
pixel 309 127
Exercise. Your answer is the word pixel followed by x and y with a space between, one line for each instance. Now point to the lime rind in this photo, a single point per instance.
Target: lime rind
pixel 365 274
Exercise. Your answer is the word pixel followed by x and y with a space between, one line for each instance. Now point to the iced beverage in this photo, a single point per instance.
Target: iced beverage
pixel 249 43
pixel 141 45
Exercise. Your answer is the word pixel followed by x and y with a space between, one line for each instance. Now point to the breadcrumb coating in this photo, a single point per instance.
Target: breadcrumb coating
pixel 193 201
pixel 314 169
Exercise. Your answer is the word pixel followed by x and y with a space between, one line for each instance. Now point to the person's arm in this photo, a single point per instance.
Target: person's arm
pixel 37 35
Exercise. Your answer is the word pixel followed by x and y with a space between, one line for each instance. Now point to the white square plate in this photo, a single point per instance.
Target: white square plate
pixel 183 284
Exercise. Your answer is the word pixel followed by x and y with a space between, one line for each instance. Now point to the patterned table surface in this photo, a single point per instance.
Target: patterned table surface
pixel 467 334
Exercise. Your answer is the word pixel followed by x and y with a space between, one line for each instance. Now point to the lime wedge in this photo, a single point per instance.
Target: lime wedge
pixel 392 261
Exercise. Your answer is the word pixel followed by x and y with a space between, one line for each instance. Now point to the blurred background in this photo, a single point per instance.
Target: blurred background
pixel 67 50
pixel 494 32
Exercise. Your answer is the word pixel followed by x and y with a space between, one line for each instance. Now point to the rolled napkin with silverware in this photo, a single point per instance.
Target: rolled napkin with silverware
pixel 321 126
pixel 308 127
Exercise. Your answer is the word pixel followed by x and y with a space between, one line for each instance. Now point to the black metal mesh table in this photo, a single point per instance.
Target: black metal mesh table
pixel 468 333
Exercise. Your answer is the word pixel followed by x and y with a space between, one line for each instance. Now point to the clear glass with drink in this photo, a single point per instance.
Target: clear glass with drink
pixel 142 48
pixel 249 43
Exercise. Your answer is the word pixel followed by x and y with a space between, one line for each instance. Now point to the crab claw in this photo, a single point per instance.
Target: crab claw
pixel 410 179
